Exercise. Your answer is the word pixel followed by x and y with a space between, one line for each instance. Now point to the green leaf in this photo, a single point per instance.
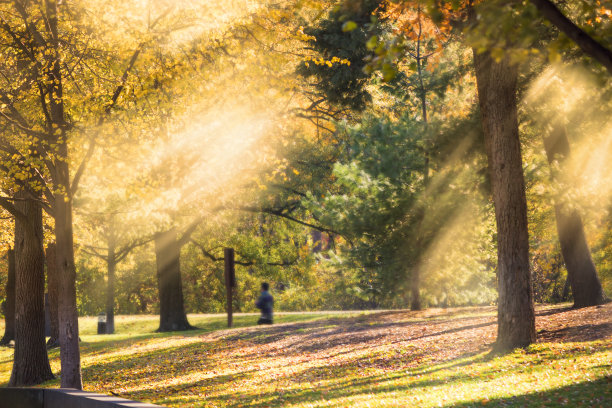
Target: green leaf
pixel 388 72
pixel 372 42
pixel 349 26
pixel 497 54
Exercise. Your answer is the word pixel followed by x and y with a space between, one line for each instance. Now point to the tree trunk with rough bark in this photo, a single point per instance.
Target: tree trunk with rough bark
pixel 9 305
pixel 581 271
pixel 497 82
pixel 415 293
pixel 70 355
pixel 67 309
pixel 111 263
pixel 172 315
pixel 415 282
pixel 30 361
pixel 52 289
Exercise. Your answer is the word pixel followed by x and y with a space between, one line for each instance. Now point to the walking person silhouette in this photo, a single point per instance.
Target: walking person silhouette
pixel 265 303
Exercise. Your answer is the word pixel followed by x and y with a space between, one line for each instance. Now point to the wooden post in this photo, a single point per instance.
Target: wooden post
pixel 230 281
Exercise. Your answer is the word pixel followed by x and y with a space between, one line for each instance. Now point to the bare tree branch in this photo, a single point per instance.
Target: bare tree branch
pixel 282 214
pixel 126 249
pixel 209 255
pixel 186 236
pixel 5 202
pixel 586 43
pixel 92 251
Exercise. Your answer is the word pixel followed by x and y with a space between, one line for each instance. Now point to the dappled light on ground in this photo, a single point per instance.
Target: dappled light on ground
pixel 437 357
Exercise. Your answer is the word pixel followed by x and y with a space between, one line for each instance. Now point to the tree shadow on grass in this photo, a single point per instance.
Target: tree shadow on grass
pixel 305 337
pixel 314 336
pixel 341 378
pixel 553 311
pixel 596 393
pixel 590 393
pixel 213 324
pixel 325 384
pixel 581 333
pixel 104 342
pixel 161 394
pixel 147 366
pixel 332 332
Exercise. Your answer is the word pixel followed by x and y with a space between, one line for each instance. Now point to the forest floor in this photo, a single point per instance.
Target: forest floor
pixel 432 358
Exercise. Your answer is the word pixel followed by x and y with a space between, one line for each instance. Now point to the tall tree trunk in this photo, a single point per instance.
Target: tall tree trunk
pixel 172 315
pixel 52 289
pixel 62 206
pixel 111 262
pixel 67 309
pixel 30 361
pixel 581 272
pixel 496 83
pixel 415 293
pixel 415 283
pixel 9 305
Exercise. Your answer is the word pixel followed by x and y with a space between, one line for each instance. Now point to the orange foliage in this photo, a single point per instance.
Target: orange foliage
pixel 412 22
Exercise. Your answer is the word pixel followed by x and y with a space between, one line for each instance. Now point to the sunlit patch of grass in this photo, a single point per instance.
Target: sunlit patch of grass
pixel 136 334
pixel 337 360
pixel 550 374
pixel 146 324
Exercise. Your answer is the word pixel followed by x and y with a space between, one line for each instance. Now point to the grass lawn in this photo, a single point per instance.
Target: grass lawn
pixel 433 358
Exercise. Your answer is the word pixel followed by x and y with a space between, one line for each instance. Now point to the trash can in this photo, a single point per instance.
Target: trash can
pixel 102 323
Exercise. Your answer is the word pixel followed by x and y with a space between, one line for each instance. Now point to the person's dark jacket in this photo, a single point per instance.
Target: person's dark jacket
pixel 265 303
